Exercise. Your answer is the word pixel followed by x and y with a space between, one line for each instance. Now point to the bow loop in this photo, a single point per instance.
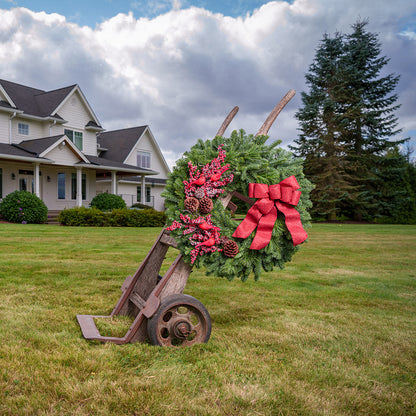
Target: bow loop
pixel 282 197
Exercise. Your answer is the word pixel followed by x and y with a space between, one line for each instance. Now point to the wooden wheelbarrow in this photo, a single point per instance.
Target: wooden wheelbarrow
pixel 161 312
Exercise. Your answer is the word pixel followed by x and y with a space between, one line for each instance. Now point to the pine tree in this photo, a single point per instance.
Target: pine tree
pixel 347 122
pixel 321 142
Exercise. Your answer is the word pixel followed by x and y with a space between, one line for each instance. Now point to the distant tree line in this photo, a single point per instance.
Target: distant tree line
pixel 348 134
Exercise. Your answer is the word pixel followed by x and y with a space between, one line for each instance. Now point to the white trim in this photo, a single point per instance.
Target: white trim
pixel 119 169
pixel 84 100
pixel 79 187
pixel 37 179
pixel 26 159
pixel 114 183
pixel 9 100
pixel 70 144
pixel 155 145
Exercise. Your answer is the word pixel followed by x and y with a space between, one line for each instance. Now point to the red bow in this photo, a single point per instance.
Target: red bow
pixel 263 214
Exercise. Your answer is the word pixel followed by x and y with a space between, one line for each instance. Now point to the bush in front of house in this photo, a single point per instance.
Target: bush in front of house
pixel 82 216
pixel 23 207
pixel 107 202
pixel 94 217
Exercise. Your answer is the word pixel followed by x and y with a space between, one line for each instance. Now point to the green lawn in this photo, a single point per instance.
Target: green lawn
pixel 332 334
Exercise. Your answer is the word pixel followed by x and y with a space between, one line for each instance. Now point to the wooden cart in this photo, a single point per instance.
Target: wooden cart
pixel 161 312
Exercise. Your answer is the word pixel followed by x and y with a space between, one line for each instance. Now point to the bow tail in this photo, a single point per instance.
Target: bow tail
pixel 293 223
pixel 264 230
pixel 249 224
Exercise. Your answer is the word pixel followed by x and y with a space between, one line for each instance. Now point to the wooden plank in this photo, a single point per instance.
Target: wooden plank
pixel 88 328
pixel 137 300
pixel 122 306
pixel 168 240
pixel 177 276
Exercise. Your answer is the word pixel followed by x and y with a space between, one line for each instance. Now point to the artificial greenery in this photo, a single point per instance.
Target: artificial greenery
pixel 94 217
pixel 23 207
pixel 107 202
pixel 251 161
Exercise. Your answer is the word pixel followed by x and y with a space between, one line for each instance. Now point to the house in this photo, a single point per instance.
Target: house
pixel 49 146
pixel 135 146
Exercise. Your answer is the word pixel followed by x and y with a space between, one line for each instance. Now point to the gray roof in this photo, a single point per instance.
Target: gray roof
pixel 16 150
pixel 101 161
pixel 156 181
pixel 119 142
pixel 38 146
pixel 35 102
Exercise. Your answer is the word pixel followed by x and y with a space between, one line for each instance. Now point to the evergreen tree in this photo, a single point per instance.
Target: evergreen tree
pixel 346 123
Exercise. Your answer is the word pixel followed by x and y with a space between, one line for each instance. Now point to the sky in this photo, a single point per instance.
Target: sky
pixel 180 66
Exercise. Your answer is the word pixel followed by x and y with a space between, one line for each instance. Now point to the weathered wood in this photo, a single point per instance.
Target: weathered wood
pixel 178 275
pixel 243 198
pixel 227 121
pixel 126 283
pixel 88 327
pixel 264 129
pixel 169 241
pixel 137 300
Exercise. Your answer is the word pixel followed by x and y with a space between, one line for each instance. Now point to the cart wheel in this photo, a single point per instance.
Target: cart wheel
pixel 181 320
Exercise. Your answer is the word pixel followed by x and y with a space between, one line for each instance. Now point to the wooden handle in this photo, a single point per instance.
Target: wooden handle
pixel 227 121
pixel 275 112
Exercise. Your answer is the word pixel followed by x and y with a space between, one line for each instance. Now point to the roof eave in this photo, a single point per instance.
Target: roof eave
pixel 26 158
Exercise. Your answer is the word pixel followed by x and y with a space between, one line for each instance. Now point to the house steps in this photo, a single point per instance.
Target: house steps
pixel 53 217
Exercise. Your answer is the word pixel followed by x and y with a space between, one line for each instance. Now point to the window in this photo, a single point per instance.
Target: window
pixel 74 186
pixel 75 137
pixel 143 160
pixel 61 185
pixel 148 196
pixel 23 128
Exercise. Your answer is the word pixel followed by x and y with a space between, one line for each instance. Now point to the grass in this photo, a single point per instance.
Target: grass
pixel 332 334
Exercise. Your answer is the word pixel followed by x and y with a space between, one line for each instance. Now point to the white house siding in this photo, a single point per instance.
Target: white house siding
pixel 146 145
pixel 50 192
pixel 61 154
pixel 4 128
pixel 48 183
pixel 77 116
pixel 37 129
pixel 128 189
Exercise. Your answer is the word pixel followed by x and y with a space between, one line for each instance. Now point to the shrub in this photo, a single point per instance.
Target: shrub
pixel 83 217
pixel 116 218
pixel 23 207
pixel 107 202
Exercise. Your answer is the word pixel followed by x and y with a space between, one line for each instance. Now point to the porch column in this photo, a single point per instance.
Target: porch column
pixel 37 180
pixel 79 187
pixel 143 190
pixel 114 183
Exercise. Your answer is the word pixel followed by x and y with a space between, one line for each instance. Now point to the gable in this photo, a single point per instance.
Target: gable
pixel 63 155
pixel 76 110
pixel 119 143
pixel 147 143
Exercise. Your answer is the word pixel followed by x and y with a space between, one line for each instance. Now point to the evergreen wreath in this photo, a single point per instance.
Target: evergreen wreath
pixel 213 168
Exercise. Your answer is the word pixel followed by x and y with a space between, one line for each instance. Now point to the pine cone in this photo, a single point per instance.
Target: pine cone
pixel 191 204
pixel 205 205
pixel 199 193
pixel 230 248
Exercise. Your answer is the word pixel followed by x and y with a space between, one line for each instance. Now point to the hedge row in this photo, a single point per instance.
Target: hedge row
pixel 116 218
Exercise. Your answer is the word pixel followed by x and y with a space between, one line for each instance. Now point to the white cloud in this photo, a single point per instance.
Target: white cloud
pixel 183 71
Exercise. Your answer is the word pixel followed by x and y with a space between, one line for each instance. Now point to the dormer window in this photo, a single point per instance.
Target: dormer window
pixel 143 159
pixel 75 137
pixel 23 129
